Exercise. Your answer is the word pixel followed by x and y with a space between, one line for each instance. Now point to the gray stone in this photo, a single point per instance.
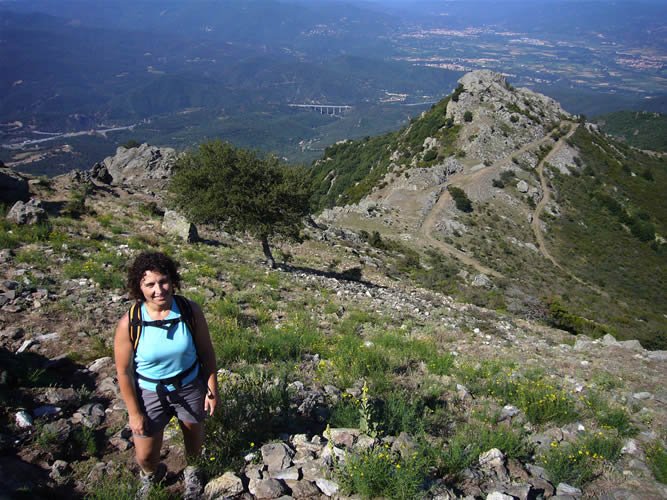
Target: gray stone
pixel 328 487
pixel 631 344
pixel 657 355
pixel 254 471
pixel 109 386
pixel 631 447
pixel 303 489
pixel 542 486
pixel 27 213
pixel 121 440
pixel 312 469
pixel 61 429
pixel 492 458
pixel 90 415
pixel 481 281
pixel 583 344
pixel 100 364
pixel 227 485
pixel 289 473
pixel 344 437
pixel 192 481
pixel 518 491
pixel 641 396
pixel 277 456
pixel 508 412
pixel 365 443
pixel 59 470
pixel 522 186
pixel 404 445
pixel 101 174
pixel 23 419
pixel 566 489
pixel 177 225
pixel 609 339
pixel 266 488
pixel 302 455
pixel 60 395
pixel 497 495
pixel 332 454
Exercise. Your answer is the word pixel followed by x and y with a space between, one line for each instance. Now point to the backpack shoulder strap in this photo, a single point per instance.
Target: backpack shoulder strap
pixel 186 312
pixel 135 324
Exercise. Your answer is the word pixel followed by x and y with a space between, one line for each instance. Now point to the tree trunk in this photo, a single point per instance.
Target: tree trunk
pixel 267 252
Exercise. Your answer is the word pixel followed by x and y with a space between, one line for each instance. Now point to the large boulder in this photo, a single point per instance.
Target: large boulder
pixel 143 166
pixel 27 213
pixel 13 187
pixel 174 223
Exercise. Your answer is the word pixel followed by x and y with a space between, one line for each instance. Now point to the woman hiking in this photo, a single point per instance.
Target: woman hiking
pixel 166 367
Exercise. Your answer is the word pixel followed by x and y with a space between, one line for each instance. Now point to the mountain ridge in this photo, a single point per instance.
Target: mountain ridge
pixel 507 133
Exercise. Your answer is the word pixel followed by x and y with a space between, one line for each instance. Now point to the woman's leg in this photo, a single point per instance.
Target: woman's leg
pixel 193 436
pixel 147 450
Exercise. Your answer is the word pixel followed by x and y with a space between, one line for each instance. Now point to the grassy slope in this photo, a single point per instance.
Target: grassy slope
pixel 599 247
pixel 640 129
pixel 263 323
pixel 594 244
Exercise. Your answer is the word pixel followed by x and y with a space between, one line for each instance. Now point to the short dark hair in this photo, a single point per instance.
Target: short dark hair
pixel 151 261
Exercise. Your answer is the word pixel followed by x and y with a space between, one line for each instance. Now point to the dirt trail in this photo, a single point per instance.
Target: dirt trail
pixel 546 198
pixel 466 179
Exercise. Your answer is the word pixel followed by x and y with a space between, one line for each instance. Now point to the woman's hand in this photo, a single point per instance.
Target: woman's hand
pixel 138 424
pixel 211 401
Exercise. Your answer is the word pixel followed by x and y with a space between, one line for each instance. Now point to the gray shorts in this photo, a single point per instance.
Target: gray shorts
pixel 186 404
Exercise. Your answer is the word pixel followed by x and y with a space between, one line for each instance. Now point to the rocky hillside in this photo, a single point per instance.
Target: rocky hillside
pixel 345 372
pixel 503 199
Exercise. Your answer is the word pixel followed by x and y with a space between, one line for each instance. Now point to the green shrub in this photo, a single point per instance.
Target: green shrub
pixel 252 408
pixel 657 459
pixel 470 440
pixel 462 201
pixel 467 116
pixel 568 464
pixel 13 236
pixel 562 318
pixel 457 92
pixel 579 462
pixel 345 413
pixel 610 416
pixel 378 472
pixel 430 155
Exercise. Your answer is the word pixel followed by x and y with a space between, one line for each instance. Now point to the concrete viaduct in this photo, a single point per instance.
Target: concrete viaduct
pixel 324 109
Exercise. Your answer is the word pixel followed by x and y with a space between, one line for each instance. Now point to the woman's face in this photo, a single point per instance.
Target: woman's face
pixel 156 288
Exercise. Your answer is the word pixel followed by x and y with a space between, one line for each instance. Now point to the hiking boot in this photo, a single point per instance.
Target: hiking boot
pixel 148 480
pixel 192 483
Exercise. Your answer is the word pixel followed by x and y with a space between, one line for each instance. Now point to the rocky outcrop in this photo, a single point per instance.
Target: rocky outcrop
pixel 143 166
pixel 498 119
pixel 13 187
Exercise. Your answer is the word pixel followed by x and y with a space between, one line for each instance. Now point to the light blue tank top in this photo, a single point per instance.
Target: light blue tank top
pixel 165 352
